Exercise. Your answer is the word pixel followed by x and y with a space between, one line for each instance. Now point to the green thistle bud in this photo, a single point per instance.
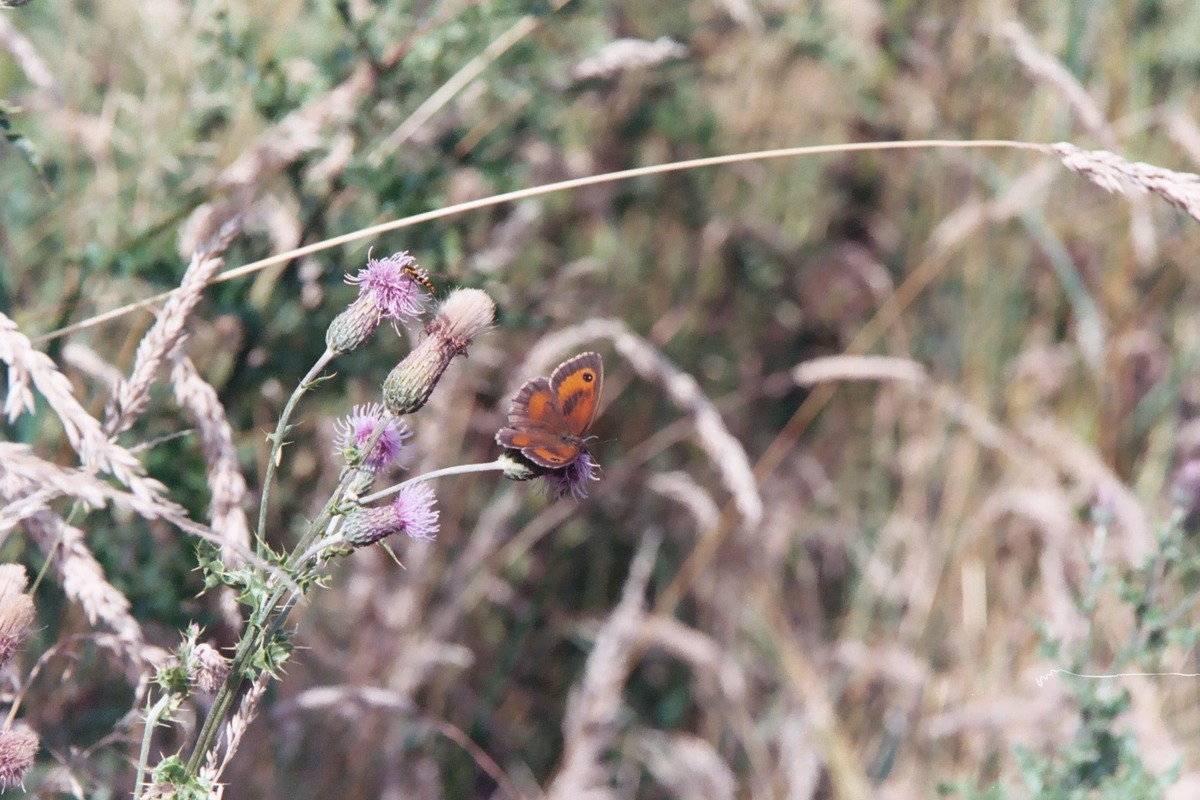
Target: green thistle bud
pixel 354 326
pixel 409 385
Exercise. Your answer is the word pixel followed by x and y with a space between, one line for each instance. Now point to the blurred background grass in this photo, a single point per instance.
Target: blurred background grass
pixel 920 544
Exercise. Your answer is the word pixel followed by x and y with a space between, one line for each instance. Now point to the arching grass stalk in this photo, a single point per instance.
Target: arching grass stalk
pixel 551 188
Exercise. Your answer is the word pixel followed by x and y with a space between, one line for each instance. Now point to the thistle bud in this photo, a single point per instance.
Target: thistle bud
pixel 465 314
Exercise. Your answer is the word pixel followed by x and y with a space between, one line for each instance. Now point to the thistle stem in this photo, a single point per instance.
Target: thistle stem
pixel 277 441
pixel 461 469
pixel 153 714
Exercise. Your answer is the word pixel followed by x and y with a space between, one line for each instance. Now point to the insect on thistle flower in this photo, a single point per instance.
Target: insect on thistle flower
pixel 392 288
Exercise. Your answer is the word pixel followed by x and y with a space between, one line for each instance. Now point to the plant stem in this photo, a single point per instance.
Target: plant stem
pixel 461 469
pixel 277 442
pixel 250 640
pixel 153 714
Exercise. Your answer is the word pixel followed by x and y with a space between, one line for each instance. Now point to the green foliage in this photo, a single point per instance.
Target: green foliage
pixel 1099 760
pixel 172 772
pixel 1103 758
pixel 20 143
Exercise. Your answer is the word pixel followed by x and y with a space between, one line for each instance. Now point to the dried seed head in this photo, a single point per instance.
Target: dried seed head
pixel 18 746
pixel 211 668
pixel 13 579
pixel 414 511
pixel 465 314
pixel 16 618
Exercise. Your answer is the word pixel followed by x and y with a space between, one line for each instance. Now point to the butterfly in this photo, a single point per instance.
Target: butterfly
pixel 549 416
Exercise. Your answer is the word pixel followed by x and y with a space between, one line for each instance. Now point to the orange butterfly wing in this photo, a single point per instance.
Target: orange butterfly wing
pixel 549 416
pixel 536 427
pixel 576 387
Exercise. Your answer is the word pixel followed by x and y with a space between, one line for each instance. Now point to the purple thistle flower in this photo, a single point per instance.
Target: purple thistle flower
pixel 572 479
pixel 414 512
pixel 396 285
pixel 416 508
pixel 390 288
pixel 353 433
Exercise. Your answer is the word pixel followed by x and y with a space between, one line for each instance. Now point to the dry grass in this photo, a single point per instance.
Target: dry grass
pixel 878 427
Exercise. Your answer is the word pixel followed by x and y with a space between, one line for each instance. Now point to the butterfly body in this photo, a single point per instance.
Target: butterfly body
pixel 549 417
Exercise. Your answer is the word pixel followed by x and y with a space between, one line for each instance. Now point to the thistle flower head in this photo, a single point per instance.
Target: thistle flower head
pixel 13 579
pixel 413 511
pixel 395 285
pixel 465 314
pixel 572 479
pixel 391 288
pixel 18 746
pixel 353 433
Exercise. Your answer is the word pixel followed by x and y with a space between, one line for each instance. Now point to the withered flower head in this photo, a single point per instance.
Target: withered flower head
pixel 210 668
pixel 465 314
pixel 16 619
pixel 13 579
pixel 18 746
